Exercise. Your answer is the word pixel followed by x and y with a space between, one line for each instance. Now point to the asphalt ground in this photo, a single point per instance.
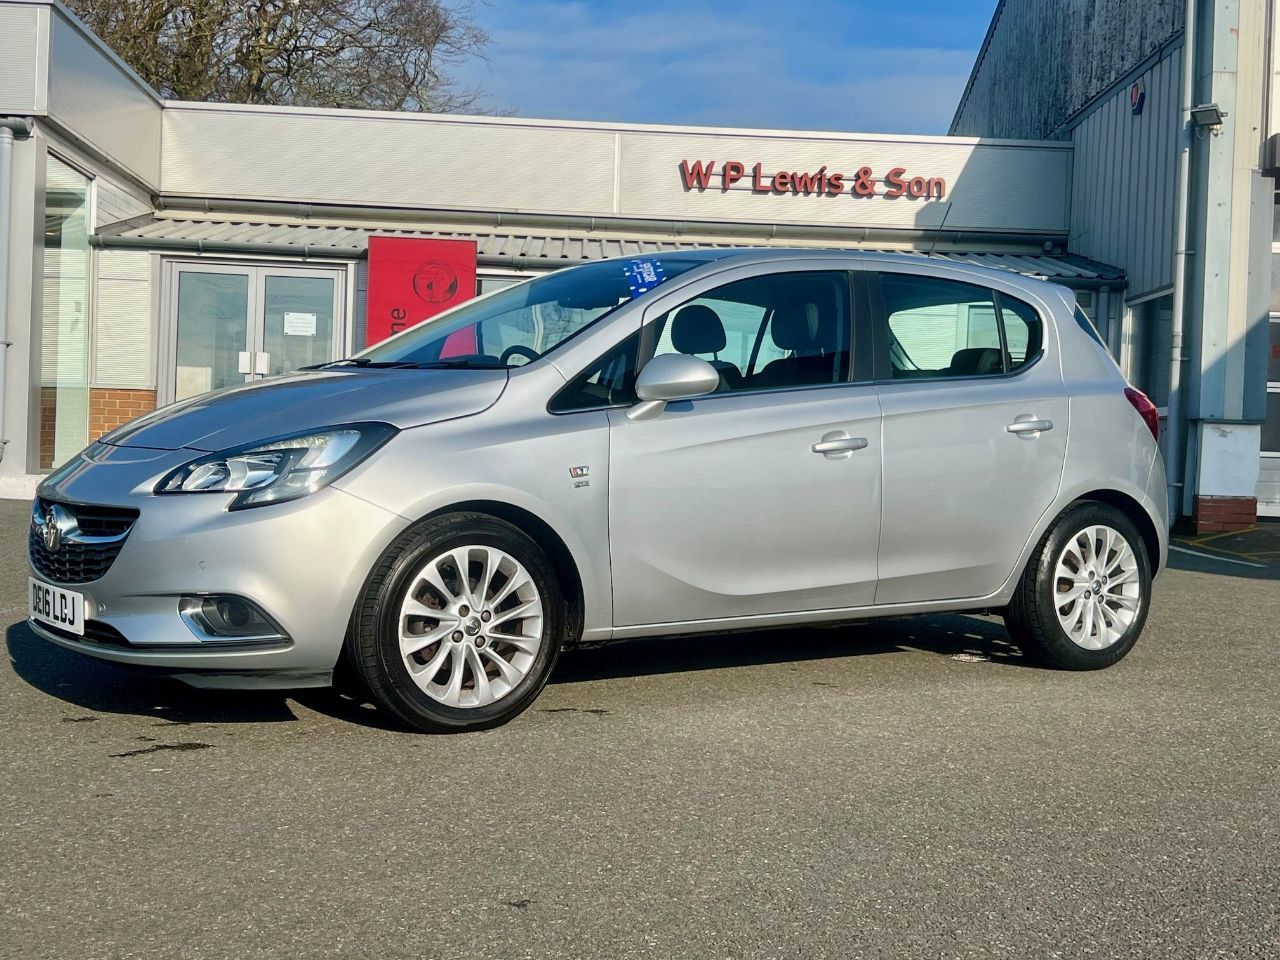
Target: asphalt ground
pixel 898 789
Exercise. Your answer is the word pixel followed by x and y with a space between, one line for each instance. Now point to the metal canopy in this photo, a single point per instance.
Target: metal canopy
pixel 512 247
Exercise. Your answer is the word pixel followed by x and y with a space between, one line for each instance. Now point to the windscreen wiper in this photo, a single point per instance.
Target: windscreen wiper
pixel 361 362
pixel 458 362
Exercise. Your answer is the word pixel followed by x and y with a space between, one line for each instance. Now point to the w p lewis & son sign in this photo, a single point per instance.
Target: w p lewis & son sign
pixel 726 175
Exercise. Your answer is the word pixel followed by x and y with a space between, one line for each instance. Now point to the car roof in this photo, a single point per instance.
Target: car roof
pixel 745 256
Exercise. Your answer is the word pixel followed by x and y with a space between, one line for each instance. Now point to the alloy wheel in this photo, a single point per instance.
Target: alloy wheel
pixel 471 626
pixel 1097 588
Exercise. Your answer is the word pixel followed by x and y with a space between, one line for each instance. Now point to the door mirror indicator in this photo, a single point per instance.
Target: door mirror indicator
pixel 671 376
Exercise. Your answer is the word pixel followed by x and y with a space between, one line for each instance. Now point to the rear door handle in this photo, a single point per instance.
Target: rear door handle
pixel 1027 426
pixel 838 445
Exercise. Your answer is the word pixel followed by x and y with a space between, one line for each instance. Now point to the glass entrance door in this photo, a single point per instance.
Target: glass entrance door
pixel 298 310
pixel 238 323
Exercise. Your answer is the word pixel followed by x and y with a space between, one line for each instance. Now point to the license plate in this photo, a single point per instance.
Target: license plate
pixel 55 606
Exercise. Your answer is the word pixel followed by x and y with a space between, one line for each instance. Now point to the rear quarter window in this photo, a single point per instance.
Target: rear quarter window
pixel 1085 324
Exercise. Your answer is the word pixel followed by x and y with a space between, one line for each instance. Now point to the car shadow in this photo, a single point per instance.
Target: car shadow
pixel 103 687
pixel 951 635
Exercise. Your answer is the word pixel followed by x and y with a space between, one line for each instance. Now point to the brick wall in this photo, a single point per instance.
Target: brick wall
pixel 1220 514
pixel 48 425
pixel 109 408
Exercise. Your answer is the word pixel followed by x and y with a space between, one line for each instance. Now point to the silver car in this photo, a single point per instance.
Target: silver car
pixel 677 444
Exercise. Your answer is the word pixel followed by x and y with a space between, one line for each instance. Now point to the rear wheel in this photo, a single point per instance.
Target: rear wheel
pixel 460 624
pixel 1083 599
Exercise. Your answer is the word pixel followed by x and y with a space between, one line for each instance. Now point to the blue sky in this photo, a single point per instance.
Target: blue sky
pixel 875 66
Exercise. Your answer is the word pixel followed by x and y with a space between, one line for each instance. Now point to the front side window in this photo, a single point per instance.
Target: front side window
pixel 946 328
pixel 520 323
pixel 766 333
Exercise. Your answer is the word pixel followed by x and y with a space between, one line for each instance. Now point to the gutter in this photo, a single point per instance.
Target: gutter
pixel 9 128
pixel 695 229
pixel 1174 465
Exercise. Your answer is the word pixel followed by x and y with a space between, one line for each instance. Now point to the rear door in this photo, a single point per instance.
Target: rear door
pixel 975 432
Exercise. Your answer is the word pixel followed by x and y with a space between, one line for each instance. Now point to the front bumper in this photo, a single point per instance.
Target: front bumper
pixel 303 563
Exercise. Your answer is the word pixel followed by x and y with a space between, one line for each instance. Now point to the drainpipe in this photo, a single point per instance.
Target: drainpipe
pixel 8 127
pixel 1173 424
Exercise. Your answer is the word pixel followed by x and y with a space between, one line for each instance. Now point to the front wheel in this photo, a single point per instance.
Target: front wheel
pixel 1084 597
pixel 460 624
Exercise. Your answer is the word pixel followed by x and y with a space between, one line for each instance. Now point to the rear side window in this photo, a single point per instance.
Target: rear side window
pixel 1023 331
pixel 946 328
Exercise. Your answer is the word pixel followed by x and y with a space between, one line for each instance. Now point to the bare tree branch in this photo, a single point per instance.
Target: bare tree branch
pixel 379 54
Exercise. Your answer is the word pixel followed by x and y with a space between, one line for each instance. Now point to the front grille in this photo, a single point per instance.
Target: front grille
pixel 90 541
pixel 95 632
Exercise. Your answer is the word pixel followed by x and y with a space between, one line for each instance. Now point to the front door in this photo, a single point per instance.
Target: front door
pixel 721 507
pixel 237 323
pixel 965 376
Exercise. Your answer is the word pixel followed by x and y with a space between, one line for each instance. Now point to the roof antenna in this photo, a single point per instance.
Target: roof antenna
pixel 938 234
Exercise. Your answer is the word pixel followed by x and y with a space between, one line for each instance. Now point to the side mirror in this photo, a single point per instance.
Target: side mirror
pixel 671 376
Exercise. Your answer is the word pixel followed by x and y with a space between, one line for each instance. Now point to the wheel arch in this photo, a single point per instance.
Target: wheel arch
pixel 546 537
pixel 1134 510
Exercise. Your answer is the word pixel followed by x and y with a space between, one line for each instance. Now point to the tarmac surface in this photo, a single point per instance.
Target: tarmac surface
pixel 898 789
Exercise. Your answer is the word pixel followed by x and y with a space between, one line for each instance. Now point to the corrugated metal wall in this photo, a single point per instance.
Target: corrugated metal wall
pixel 1045 59
pixel 1124 179
pixel 123 341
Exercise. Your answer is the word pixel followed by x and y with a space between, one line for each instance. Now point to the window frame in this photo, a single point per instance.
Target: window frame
pixel 883 362
pixel 861 336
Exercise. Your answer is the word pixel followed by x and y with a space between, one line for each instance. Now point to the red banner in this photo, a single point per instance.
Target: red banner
pixel 412 279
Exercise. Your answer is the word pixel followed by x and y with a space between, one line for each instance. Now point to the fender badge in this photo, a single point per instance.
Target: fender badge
pixel 579 472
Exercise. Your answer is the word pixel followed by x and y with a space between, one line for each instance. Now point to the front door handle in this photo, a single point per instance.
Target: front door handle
pixel 1027 426
pixel 838 445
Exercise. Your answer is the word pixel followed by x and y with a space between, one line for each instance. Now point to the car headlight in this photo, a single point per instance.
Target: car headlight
pixel 285 468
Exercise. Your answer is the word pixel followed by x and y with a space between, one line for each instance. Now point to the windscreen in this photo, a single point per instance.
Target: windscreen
pixel 521 323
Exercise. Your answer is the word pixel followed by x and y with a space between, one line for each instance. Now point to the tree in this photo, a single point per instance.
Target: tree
pixel 380 54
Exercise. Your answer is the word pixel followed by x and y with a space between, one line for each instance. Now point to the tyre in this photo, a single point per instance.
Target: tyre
pixel 1083 599
pixel 460 624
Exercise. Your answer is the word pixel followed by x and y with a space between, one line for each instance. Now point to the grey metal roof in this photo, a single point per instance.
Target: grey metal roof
pixel 512 247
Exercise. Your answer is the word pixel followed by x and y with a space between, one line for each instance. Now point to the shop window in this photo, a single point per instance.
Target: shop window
pixel 64 338
pixel 489 284
pixel 1275 283
pixel 1271 425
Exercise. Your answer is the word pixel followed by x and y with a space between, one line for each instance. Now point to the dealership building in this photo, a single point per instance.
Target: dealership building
pixel 151 250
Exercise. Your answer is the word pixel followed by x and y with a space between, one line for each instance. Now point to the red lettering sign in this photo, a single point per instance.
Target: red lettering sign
pixel 412 279
pixel 698 175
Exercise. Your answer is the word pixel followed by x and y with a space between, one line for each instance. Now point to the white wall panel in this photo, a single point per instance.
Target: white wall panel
pixel 122 355
pixel 1125 178
pixel 117 201
pixel 371 159
pixel 385 160
pixel 997 187
pixel 19 59
pixel 96 98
